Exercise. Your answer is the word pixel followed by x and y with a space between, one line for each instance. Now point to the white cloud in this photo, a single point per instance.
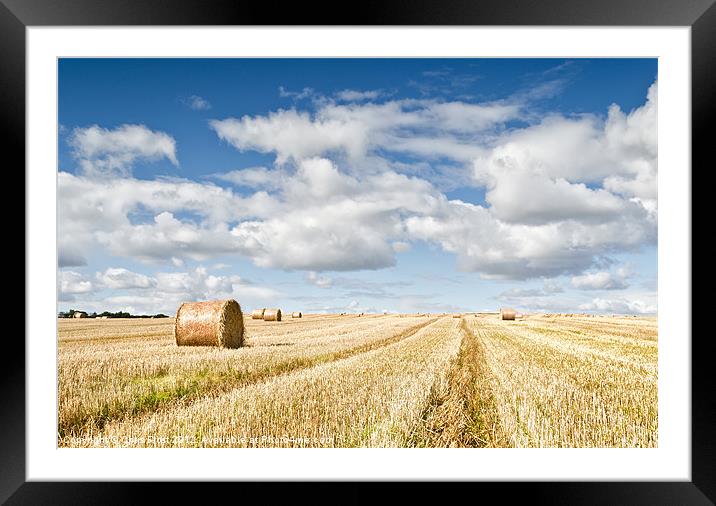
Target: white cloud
pixel 197 103
pixel 334 221
pixel 100 151
pixel 621 306
pixel 523 295
pixel 351 307
pixel 291 134
pixel 296 95
pixel 539 174
pixel 119 278
pixel 72 282
pixel 168 237
pixel 165 291
pixel 542 219
pixel 253 177
pixel 602 280
pixel 516 251
pixel 532 199
pixel 358 129
pixel 324 219
pixel 320 281
pixel 96 212
pixel 358 95
pixel 546 213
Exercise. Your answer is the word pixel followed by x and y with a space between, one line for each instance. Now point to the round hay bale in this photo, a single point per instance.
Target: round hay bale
pixel 457 315
pixel 258 314
pixel 210 323
pixel 507 313
pixel 297 314
pixel 272 315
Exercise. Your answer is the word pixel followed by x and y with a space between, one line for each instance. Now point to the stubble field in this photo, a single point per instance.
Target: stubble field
pixel 370 381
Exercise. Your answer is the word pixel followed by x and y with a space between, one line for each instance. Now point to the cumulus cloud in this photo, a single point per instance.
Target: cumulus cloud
pixel 71 282
pixel 290 134
pixel 324 219
pixel 552 203
pixel 96 212
pixel 424 127
pixel 161 292
pixel 252 177
pixel 120 278
pixel 549 297
pixel 542 216
pixel 353 307
pixel 541 173
pixel 517 294
pixel 197 103
pixel 602 280
pixel 319 281
pixel 501 250
pixel 358 95
pixel 621 306
pixel 100 151
pixel 336 221
pixel 296 95
pixel 535 200
pixel 321 219
pixel 168 237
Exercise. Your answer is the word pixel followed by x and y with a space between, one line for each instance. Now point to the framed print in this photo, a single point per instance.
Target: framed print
pixel 431 245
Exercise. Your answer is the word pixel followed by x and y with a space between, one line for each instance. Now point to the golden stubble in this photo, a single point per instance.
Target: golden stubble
pixel 375 381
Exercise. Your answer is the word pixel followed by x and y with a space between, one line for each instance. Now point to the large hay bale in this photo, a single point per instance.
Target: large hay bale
pixel 457 315
pixel 258 314
pixel 210 323
pixel 272 315
pixel 507 313
pixel 297 314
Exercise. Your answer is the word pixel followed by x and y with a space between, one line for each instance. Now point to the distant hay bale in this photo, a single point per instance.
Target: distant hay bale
pixel 258 314
pixel 210 323
pixel 297 314
pixel 507 313
pixel 79 314
pixel 457 315
pixel 272 315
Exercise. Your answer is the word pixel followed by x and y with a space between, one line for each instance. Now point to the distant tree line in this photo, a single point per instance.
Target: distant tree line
pixel 107 314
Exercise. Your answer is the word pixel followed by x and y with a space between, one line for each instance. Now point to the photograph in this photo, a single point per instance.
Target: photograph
pixel 360 252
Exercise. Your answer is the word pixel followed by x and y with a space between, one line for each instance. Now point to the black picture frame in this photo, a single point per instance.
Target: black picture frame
pixel 700 15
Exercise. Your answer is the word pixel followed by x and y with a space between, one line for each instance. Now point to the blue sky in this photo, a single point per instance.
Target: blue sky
pixel 358 184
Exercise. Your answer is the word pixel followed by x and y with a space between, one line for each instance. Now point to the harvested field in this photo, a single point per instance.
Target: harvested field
pixel 375 381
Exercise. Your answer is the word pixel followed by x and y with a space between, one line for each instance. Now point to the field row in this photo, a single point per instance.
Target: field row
pixel 377 381
pixel 120 377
